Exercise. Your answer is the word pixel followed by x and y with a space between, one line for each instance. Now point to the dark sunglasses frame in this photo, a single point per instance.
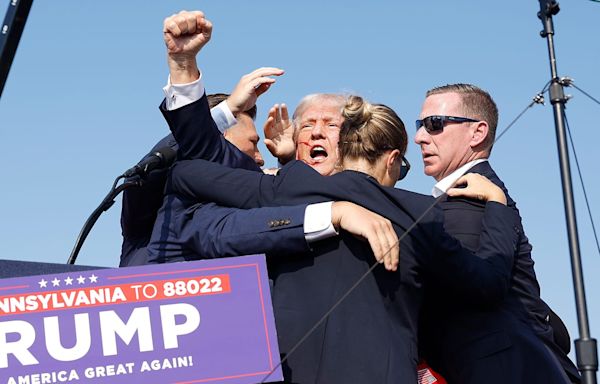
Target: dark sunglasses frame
pixel 404 168
pixel 436 123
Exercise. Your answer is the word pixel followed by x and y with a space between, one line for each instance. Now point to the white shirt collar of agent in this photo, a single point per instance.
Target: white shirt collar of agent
pixel 443 185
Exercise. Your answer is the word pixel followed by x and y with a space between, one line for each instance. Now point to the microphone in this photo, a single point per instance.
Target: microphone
pixel 159 159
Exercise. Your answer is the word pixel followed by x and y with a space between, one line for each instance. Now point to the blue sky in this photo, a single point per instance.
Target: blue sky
pixel 80 105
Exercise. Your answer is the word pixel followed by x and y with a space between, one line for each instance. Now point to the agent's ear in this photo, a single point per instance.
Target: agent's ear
pixel 480 133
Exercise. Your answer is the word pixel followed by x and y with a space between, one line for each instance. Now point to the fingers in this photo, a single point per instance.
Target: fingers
pixel 279 132
pixel 206 29
pixel 478 187
pixel 184 23
pixel 392 254
pixel 268 127
pixel 261 85
pixel 376 229
pixel 469 179
pixel 281 114
pixel 383 241
pixel 260 76
pixel 284 112
pixel 462 180
pixel 273 122
pixel 271 147
pixel 262 89
pixel 278 114
pixel 189 23
pixel 265 71
pixel 467 190
pixel 250 87
pixel 389 244
pixel 376 245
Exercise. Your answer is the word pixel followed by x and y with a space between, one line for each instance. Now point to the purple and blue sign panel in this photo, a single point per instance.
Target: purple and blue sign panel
pixel 207 321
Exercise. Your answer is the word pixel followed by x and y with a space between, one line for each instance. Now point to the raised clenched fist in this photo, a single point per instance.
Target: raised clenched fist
pixel 185 33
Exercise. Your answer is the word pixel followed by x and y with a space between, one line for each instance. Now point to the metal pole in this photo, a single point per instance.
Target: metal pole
pixel 585 346
pixel 10 34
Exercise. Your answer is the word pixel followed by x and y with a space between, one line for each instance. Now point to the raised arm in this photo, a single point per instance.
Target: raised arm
pixel 185 34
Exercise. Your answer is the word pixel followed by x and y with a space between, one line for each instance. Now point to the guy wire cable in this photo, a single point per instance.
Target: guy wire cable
pixel 572 84
pixel 587 203
pixel 537 99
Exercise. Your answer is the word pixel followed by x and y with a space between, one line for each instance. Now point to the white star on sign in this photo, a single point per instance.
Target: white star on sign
pixel 55 282
pixel 69 281
pixel 81 279
pixel 93 278
pixel 43 283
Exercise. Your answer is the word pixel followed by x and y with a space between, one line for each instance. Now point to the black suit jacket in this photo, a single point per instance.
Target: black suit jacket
pixel 194 135
pixel 370 337
pixel 471 344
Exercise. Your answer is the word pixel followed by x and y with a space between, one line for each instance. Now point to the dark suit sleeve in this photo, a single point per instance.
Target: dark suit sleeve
pixel 201 231
pixel 486 276
pixel 294 184
pixel 224 185
pixel 215 231
pixel 199 138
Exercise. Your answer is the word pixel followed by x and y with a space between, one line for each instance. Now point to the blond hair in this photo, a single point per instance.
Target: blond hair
pixel 369 130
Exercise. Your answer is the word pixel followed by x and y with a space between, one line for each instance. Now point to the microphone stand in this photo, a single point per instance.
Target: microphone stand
pixel 106 203
pixel 585 346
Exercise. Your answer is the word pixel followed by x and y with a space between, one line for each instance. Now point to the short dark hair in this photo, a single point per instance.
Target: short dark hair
pixel 216 98
pixel 476 104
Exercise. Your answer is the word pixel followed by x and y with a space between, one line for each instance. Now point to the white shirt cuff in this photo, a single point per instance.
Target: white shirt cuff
pixel 223 116
pixel 180 95
pixel 317 222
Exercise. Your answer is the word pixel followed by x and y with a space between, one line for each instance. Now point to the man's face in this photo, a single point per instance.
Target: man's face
pixel 243 135
pixel 317 136
pixel 446 150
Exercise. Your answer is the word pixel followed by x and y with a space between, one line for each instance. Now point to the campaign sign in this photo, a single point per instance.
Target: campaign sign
pixel 207 321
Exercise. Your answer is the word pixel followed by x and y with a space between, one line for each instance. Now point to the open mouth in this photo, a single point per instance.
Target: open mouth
pixel 318 153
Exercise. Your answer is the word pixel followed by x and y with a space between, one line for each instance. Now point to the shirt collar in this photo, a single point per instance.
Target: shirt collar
pixel 443 185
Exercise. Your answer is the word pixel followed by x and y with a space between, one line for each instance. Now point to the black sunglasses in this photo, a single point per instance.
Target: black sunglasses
pixel 404 168
pixel 436 123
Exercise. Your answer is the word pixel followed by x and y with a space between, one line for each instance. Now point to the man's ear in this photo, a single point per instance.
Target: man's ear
pixel 480 133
